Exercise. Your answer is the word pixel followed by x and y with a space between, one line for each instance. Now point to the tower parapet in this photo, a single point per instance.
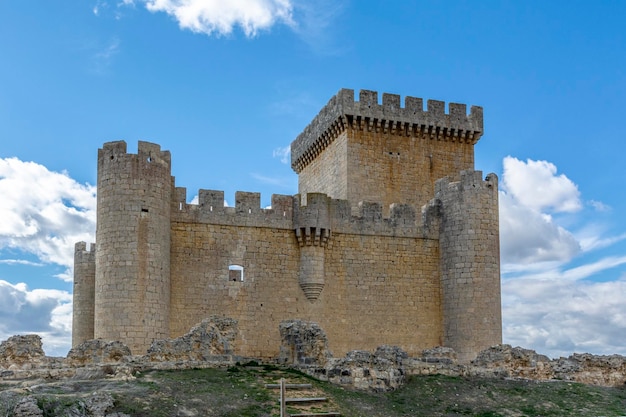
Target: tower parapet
pixel 366 114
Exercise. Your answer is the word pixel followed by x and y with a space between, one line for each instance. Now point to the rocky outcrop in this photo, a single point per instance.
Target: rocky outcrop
pixel 213 336
pixel 302 343
pixel 21 352
pixel 591 369
pixel 27 407
pixel 507 361
pixel 97 351
pixel 304 346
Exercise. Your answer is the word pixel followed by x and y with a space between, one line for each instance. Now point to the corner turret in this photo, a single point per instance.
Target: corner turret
pixel 132 299
pixel 84 292
pixel 470 263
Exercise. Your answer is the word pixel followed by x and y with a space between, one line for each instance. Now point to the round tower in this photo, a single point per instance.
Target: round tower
pixel 132 294
pixel 470 263
pixel 84 293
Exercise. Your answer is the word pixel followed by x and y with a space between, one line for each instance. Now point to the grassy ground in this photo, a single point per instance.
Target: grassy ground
pixel 240 391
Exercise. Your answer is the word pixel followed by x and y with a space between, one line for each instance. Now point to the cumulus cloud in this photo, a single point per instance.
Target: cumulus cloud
pixel 43 311
pixel 44 212
pixel 557 316
pixel 536 185
pixel 530 192
pixel 548 305
pixel 217 17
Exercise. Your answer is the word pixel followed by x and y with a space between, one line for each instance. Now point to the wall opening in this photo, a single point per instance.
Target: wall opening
pixel 235 273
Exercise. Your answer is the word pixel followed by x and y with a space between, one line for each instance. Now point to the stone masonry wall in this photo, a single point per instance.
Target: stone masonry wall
pixel 400 168
pixel 392 295
pixel 84 292
pixel 470 263
pixel 133 245
pixel 328 173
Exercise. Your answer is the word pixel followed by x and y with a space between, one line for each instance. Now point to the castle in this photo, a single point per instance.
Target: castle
pixel 392 239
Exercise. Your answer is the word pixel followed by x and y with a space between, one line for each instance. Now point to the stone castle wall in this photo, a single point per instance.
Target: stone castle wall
pixel 392 294
pixel 374 249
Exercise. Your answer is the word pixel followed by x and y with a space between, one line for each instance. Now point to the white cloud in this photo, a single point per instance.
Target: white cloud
pixel 530 192
pixel 529 236
pixel 536 186
pixel 45 312
pixel 599 206
pixel 546 305
pixel 557 316
pixel 283 153
pixel 221 17
pixel 44 213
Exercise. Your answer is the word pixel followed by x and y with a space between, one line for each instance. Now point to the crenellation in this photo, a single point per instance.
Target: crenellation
pixel 391 103
pixel 283 203
pixel 180 196
pixel 247 202
pixel 115 147
pixel 392 239
pixel 211 201
pixel 370 211
pixel 342 112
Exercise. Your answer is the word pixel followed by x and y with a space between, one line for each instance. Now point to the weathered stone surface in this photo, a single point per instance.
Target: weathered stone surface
pixel 97 351
pixel 98 404
pixel 379 371
pixel 505 360
pixel 592 369
pixel 21 351
pixel 213 336
pixel 27 407
pixel 303 343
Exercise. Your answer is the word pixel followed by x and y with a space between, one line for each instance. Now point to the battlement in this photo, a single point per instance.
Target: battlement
pixel 149 152
pixel 84 254
pixel 342 111
pixel 247 210
pixel 81 247
pixel 469 179
pixel 286 212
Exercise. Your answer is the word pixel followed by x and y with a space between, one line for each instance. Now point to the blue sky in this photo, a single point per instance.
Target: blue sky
pixel 226 86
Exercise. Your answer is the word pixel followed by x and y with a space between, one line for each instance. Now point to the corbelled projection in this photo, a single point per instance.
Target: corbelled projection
pixel 392 239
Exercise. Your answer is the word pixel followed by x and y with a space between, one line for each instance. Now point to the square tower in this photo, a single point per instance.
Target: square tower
pixel 365 151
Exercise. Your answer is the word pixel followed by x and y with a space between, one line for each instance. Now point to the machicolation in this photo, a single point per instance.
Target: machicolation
pixel 392 240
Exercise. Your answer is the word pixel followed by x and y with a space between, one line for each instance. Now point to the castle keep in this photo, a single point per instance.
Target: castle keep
pixel 392 239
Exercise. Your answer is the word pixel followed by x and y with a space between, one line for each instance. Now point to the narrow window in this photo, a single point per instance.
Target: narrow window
pixel 235 273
